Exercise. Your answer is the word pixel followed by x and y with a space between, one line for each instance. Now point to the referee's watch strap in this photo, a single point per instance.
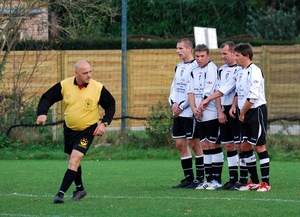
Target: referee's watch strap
pixel 105 124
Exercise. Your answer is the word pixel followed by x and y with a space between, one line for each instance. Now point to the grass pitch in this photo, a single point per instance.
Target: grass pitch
pixel 138 188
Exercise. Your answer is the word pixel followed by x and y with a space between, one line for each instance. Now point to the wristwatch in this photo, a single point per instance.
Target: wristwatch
pixel 105 123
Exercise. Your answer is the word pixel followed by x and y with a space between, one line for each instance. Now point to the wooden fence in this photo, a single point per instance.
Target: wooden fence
pixel 149 76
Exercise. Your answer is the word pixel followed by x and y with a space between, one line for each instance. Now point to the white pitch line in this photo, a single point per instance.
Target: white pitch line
pixel 25 215
pixel 164 197
pixel 198 198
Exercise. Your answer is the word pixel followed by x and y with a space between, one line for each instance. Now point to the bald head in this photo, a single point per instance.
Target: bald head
pixel 83 72
pixel 81 64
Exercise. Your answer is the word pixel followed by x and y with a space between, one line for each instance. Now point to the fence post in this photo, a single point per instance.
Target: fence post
pixel 53 121
pixel 265 58
pixel 124 65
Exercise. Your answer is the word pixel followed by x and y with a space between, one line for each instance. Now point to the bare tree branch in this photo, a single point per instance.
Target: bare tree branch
pixel 22 20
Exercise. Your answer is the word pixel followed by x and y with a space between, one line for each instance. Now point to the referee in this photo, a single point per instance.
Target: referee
pixel 81 98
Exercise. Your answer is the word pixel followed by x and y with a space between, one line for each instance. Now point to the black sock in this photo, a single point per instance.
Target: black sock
pixel 187 166
pixel 264 167
pixel 78 179
pixel 69 177
pixel 251 165
pixel 199 168
pixel 243 169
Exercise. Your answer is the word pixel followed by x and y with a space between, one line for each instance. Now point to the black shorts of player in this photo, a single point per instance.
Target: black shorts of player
pixel 230 128
pixel 184 128
pixel 254 128
pixel 78 140
pixel 209 130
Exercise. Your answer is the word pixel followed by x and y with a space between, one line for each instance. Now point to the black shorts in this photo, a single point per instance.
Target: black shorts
pixel 254 128
pixel 230 128
pixel 209 130
pixel 78 140
pixel 184 128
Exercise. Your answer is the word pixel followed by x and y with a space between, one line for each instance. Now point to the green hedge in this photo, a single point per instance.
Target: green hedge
pixel 115 43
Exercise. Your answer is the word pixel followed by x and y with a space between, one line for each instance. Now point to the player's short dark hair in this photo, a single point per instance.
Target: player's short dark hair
pixel 230 45
pixel 187 42
pixel 202 47
pixel 244 49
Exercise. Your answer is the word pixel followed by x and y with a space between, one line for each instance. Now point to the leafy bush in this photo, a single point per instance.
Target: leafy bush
pixel 160 122
pixel 128 138
pixel 17 120
pixel 4 141
pixel 143 42
pixel 270 24
pixel 98 43
pixel 15 111
pixel 169 18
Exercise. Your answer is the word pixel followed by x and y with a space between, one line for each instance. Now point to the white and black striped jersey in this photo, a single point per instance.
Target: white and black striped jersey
pixel 250 85
pixel 227 80
pixel 202 83
pixel 178 92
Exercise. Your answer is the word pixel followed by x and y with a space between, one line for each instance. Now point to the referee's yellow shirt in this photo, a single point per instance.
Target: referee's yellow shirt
pixel 81 108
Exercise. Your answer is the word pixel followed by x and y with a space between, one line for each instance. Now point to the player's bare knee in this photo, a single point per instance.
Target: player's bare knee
pixel 229 147
pixel 260 148
pixel 214 145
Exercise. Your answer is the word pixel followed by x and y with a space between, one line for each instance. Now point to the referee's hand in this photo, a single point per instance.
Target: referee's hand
pixel 100 130
pixel 41 119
